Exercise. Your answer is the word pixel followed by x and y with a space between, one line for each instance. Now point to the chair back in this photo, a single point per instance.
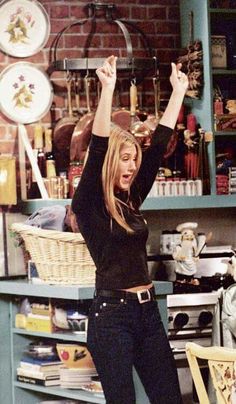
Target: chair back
pixel 222 369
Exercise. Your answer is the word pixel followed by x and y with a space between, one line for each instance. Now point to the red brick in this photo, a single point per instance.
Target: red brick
pixel 173 13
pixel 79 12
pixel 61 11
pixel 157 13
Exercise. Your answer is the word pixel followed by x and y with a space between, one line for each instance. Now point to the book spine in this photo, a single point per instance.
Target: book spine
pixel 41 362
pixel 39 382
pixel 38 375
pixel 38 368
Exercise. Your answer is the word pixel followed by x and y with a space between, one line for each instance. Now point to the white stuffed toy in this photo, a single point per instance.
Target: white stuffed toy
pixel 187 253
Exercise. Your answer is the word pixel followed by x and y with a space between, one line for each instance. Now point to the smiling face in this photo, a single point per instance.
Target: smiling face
pixel 188 234
pixel 127 166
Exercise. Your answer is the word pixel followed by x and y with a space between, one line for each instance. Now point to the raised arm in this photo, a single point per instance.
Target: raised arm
pixel 179 82
pixel 107 77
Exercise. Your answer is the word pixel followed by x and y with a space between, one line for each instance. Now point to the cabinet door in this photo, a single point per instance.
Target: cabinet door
pixel 6 392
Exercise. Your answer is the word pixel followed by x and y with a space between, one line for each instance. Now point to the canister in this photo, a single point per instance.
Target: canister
pixel 218 51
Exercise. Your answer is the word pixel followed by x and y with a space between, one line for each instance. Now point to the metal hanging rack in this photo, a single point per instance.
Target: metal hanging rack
pixel 128 63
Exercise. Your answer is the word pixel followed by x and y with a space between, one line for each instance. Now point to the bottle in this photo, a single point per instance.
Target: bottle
pixel 49 155
pixel 38 147
pixel 218 107
pixel 34 191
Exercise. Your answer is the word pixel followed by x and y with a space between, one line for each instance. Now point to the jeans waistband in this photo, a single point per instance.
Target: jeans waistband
pixel 142 296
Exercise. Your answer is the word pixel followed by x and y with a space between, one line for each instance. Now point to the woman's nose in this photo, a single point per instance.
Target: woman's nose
pixel 132 165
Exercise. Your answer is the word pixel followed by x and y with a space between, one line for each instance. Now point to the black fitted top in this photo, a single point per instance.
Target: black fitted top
pixel 120 257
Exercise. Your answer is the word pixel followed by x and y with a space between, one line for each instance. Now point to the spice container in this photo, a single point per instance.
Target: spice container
pixel 75 172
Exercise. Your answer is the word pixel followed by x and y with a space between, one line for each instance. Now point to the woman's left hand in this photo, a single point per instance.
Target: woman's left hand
pixel 178 79
pixel 107 72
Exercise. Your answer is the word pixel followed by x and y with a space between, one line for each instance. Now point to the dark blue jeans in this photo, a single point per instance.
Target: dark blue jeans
pixel 123 334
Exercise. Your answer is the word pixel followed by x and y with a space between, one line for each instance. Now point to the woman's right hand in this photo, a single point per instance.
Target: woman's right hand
pixel 107 72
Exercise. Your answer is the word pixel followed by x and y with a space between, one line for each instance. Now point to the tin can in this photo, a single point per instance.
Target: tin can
pixel 74 175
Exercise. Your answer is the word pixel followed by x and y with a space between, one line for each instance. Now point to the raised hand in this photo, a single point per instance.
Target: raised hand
pixel 178 79
pixel 107 72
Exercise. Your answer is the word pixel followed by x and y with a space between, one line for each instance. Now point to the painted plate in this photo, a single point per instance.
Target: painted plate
pixel 26 92
pixel 24 27
pixel 93 387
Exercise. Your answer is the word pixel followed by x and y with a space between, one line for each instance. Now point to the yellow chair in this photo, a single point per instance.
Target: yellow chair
pixel 222 366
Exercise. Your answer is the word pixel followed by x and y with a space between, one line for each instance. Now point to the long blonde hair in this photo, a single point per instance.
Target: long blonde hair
pixel 118 137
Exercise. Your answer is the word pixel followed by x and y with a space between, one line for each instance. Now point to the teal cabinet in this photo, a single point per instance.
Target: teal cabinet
pixel 205 24
pixel 14 341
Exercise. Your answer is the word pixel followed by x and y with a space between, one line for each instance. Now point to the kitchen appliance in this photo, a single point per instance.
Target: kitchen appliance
pixel 191 317
pixel 194 308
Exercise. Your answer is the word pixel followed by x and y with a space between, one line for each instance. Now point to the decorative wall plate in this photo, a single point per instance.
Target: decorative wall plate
pixel 24 27
pixel 26 92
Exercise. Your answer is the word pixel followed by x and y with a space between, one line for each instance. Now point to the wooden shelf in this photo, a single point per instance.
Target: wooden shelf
pixel 225 133
pixel 152 203
pixel 221 11
pixel 224 72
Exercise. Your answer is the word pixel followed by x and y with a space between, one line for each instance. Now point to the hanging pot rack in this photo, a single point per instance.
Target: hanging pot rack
pixel 86 63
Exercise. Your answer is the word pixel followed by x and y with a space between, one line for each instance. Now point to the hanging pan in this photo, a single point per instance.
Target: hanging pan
pixel 83 129
pixel 24 27
pixel 63 131
pixel 26 92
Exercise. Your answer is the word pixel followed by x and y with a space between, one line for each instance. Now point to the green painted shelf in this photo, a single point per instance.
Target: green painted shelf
pixel 152 203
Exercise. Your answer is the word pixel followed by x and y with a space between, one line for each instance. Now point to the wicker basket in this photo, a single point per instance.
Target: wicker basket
pixel 60 257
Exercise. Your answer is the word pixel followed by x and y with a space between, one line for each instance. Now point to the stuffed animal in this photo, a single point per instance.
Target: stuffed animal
pixel 187 253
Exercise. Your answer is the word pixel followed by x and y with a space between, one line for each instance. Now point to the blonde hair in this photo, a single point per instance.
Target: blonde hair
pixel 118 137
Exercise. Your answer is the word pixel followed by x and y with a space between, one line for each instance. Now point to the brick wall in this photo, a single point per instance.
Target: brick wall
pixel 158 19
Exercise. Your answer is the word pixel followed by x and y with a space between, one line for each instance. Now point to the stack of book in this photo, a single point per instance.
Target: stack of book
pixel 74 378
pixel 39 371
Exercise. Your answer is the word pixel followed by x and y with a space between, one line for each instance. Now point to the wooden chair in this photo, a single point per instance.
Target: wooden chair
pixel 222 369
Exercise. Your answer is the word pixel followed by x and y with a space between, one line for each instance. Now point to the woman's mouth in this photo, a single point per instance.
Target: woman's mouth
pixel 127 178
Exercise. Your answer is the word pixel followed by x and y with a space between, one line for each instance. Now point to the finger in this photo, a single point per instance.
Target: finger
pixel 173 67
pixel 113 62
pixel 178 66
pixel 108 68
pixel 175 72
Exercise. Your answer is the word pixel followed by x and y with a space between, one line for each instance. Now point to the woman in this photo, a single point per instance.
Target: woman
pixel 125 328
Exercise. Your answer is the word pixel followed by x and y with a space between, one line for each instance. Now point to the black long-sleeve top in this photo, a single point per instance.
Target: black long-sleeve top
pixel 120 257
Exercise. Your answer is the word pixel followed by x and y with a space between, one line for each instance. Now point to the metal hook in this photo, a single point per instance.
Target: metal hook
pixel 87 69
pixel 156 69
pixel 68 75
pixel 133 77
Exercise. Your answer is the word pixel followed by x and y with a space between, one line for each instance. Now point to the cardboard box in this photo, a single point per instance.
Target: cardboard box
pixel 218 51
pixel 35 322
pixel 225 122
